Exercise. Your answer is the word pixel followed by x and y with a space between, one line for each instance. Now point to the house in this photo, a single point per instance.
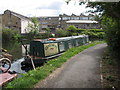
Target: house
pixel 83 24
pixel 15 21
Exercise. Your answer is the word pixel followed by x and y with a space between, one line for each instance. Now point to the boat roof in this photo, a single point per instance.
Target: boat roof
pixel 58 39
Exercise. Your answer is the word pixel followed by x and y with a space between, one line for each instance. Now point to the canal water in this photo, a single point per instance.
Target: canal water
pixel 18 52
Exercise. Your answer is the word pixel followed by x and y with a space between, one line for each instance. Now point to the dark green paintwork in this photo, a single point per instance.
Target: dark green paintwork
pixel 37 47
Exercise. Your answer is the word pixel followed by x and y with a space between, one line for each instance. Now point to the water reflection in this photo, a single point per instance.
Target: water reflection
pixel 16 66
pixel 14 48
pixel 17 51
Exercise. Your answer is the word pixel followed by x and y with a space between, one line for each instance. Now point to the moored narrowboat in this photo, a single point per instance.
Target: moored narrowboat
pixel 42 50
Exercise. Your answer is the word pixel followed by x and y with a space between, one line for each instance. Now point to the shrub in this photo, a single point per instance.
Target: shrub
pixel 71 29
pixel 61 33
pixel 8 35
pixel 93 33
pixel 112 35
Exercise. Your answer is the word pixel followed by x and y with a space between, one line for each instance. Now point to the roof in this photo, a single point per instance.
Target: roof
pixel 18 15
pixel 48 17
pixel 81 21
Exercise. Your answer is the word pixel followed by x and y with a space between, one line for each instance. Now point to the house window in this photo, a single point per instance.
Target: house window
pixel 44 22
pixel 72 18
pixel 84 18
pixel 88 25
pixel 16 22
pixel 66 18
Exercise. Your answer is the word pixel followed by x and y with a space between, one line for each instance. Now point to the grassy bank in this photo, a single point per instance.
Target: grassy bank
pixel 109 71
pixel 34 76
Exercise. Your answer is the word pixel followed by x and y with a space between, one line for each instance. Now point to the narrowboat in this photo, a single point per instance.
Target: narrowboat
pixel 42 50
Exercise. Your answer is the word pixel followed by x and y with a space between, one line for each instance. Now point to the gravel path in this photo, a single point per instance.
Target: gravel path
pixel 81 71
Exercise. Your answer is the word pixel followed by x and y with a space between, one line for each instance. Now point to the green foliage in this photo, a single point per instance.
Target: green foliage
pixel 112 35
pixel 61 33
pixel 34 76
pixel 32 34
pixel 71 29
pixel 8 35
pixel 111 9
pixel 111 23
pixel 110 78
pixel 93 33
pixel 48 29
pixel 17 37
pixel 43 35
pixel 33 28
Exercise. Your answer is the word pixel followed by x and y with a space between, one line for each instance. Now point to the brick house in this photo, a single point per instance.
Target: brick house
pixel 15 21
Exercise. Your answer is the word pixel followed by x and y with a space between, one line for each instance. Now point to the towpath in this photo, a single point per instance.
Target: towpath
pixel 81 71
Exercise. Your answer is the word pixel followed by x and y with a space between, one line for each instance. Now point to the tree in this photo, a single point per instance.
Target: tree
pixel 72 29
pixel 33 28
pixel 111 22
pixel 110 9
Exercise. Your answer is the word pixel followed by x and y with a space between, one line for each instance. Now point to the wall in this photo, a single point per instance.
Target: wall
pixel 48 22
pixel 24 25
pixel 15 21
pixel 11 21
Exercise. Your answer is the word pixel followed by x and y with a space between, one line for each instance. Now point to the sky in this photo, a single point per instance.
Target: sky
pixel 38 8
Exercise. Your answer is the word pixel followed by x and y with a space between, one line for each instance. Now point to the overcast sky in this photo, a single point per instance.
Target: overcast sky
pixel 42 7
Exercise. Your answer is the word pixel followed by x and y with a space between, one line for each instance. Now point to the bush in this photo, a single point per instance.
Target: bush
pixel 8 35
pixel 94 34
pixel 112 35
pixel 43 35
pixel 71 29
pixel 62 33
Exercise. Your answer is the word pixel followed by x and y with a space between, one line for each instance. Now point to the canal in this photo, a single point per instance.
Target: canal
pixel 18 52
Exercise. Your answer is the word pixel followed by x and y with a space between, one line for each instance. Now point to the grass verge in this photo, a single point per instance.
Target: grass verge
pixel 109 71
pixel 34 76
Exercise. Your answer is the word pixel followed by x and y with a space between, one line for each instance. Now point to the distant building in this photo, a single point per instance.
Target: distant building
pixel 15 21
pixel 20 23
pixel 63 21
pixel 51 22
pixel 83 24
pixel 80 21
